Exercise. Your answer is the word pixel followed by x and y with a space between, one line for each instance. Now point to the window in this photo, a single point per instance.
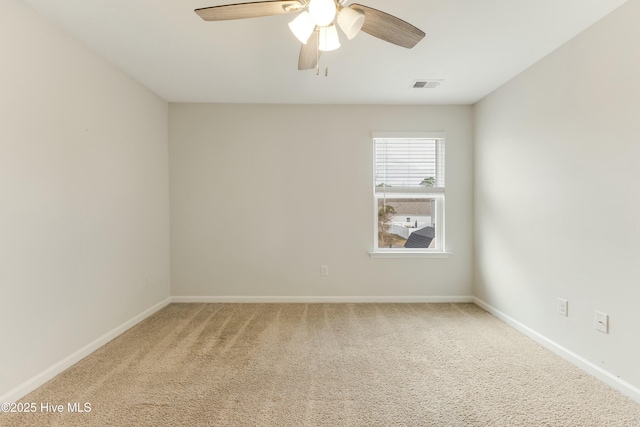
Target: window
pixel 409 193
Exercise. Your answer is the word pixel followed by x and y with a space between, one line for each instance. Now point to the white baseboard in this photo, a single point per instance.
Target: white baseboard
pixel 591 368
pixel 44 376
pixel 333 299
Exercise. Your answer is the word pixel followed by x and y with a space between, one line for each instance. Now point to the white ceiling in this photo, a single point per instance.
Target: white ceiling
pixel 474 45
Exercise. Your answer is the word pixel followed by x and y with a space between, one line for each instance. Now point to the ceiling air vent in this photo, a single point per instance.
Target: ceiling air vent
pixel 426 84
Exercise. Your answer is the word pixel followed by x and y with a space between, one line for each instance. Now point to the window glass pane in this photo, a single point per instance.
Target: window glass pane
pixel 406 222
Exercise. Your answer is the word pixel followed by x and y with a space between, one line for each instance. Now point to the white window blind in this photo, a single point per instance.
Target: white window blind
pixel 409 163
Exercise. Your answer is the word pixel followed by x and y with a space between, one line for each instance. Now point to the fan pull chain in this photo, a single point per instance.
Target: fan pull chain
pixel 318 53
pixel 326 68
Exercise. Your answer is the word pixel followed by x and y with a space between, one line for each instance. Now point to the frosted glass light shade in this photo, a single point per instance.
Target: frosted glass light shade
pixel 329 38
pixel 322 12
pixel 350 21
pixel 302 27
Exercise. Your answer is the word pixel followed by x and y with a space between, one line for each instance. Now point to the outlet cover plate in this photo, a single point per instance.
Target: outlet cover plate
pixel 602 322
pixel 563 307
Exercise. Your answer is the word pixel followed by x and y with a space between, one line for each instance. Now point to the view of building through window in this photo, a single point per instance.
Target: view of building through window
pixel 400 218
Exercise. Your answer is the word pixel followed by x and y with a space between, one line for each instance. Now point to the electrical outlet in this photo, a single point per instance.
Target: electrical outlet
pixel 602 322
pixel 324 270
pixel 563 307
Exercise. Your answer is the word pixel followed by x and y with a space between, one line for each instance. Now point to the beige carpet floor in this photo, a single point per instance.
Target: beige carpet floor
pixel 327 365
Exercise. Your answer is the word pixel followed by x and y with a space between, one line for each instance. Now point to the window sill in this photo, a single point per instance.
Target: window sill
pixel 381 254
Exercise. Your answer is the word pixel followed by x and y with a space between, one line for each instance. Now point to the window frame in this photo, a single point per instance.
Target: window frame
pixel 437 193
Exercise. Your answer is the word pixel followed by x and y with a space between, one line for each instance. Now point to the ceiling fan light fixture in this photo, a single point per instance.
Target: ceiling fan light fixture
pixel 328 39
pixel 302 27
pixel 350 21
pixel 316 25
pixel 322 12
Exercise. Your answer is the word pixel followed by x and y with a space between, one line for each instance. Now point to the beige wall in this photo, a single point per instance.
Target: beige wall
pixel 557 194
pixel 84 210
pixel 263 195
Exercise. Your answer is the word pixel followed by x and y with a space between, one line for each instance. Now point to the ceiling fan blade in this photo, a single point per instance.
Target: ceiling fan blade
pixel 248 10
pixel 389 28
pixel 309 53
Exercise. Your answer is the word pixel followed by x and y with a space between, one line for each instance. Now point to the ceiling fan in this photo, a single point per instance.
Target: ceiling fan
pixel 315 26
